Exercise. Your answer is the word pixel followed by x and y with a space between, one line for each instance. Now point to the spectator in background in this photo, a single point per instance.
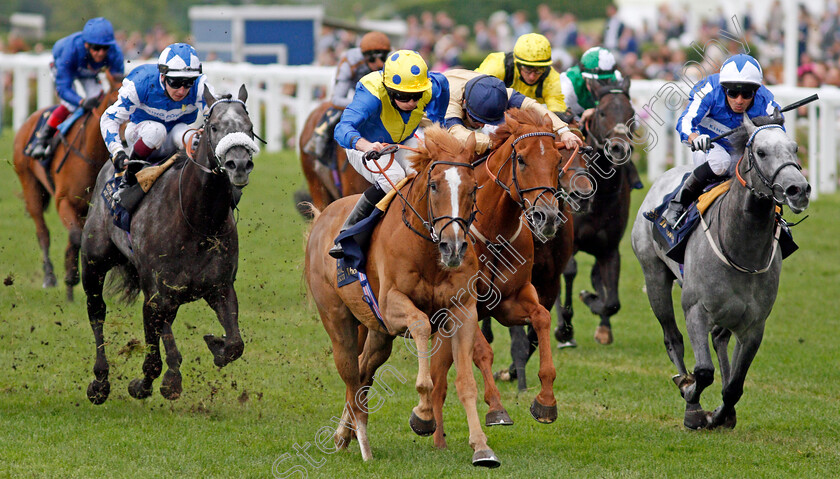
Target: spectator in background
pixel 520 24
pixel 613 28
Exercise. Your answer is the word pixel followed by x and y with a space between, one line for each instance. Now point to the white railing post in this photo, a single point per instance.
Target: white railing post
pixel 20 98
pixel 813 150
pixel 828 149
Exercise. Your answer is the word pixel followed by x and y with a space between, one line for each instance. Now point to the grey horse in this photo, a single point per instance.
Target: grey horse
pixel 731 271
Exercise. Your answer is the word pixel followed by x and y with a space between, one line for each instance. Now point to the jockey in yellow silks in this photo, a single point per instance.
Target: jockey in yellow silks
pixel 387 109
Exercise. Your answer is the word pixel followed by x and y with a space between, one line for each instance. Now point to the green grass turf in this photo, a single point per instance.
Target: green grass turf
pixel 619 413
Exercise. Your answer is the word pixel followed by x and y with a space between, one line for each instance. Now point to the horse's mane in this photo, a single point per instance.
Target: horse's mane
pixel 446 143
pixel 525 117
pixel 738 140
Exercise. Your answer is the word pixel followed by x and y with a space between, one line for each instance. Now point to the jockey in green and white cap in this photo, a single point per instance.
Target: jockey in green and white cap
pixel 597 66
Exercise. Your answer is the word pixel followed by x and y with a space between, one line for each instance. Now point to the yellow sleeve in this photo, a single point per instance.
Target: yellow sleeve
pixel 461 133
pixel 493 65
pixel 553 92
pixel 533 105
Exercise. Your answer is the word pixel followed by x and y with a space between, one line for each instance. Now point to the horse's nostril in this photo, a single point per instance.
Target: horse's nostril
pixel 249 166
pixel 539 217
pixel 792 191
pixel 445 247
pixel 230 165
pixel 463 249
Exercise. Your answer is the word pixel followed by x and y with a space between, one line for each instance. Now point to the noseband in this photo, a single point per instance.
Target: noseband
pixel 769 183
pixel 230 140
pixel 600 141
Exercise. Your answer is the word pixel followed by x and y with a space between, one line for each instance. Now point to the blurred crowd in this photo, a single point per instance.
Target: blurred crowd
pixel 660 49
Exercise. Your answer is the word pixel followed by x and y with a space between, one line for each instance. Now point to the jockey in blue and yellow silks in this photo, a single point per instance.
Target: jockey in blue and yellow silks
pixel 387 109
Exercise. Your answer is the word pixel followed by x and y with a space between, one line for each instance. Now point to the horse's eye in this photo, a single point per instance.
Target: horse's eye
pixel 433 186
pixel 213 128
pixel 796 149
pixel 520 160
pixel 760 153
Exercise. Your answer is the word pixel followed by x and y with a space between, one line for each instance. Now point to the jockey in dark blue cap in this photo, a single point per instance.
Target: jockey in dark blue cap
pixel 80 56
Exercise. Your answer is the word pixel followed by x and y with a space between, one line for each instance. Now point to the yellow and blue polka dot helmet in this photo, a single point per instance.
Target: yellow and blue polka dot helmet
pixel 406 71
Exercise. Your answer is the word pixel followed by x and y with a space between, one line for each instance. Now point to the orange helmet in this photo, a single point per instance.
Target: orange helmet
pixel 375 41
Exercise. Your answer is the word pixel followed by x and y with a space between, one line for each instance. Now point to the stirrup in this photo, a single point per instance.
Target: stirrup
pixel 337 251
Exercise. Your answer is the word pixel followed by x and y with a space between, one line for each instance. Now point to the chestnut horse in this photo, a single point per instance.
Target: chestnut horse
pixel 418 260
pixel 518 188
pixel 324 187
pixel 76 162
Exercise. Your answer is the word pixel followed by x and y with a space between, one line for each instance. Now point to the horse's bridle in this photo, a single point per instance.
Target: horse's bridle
pixel 619 129
pixel 769 183
pixel 523 203
pixel 219 168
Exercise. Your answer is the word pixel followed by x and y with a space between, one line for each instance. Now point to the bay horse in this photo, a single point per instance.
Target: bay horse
pixel 189 252
pixel 731 266
pixel 600 227
pixel 517 200
pixel 419 258
pixel 324 187
pixel 77 159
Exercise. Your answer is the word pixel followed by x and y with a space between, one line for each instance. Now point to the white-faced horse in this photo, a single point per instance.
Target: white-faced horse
pixel 731 266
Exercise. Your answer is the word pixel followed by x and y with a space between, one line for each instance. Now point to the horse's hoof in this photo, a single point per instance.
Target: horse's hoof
pixel 603 335
pixel 170 387
pixel 504 375
pixel 49 281
pixel 498 418
pixel 216 346
pixel 567 344
pixel 564 333
pixel 588 297
pixel 543 414
pixel 695 417
pixel 421 427
pixel 137 390
pixel 683 382
pixel 98 391
pixel 718 419
pixel 486 458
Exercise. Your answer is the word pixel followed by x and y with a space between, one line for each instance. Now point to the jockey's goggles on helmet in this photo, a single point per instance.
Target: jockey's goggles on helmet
pixel 532 70
pixel 180 82
pixel 373 55
pixel 96 48
pixel 746 94
pixel 405 96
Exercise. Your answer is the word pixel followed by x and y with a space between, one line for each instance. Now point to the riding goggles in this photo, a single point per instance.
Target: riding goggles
pixel 532 70
pixel 745 94
pixel 94 47
pixel 405 96
pixel 374 55
pixel 183 82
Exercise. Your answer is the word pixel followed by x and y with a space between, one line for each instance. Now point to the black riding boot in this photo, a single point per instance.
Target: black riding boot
pixel 701 177
pixel 364 207
pixel 44 136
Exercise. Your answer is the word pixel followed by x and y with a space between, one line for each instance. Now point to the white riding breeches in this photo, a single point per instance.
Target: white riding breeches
pixel 154 136
pixel 720 161
pixel 398 170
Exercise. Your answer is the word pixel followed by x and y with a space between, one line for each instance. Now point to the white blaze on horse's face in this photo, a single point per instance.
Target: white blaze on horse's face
pixel 453 178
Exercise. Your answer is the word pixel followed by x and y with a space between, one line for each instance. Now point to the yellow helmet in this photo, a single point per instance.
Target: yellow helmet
pixel 406 71
pixel 532 49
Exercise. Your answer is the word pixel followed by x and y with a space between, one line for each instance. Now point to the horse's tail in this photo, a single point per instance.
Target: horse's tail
pixel 308 209
pixel 125 282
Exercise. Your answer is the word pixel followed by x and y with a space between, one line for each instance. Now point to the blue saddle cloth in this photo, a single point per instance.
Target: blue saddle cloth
pixel 351 268
pixel 673 240
pixel 63 127
pixel 120 215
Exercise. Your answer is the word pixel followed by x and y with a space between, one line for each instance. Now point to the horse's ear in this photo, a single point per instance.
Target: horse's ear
pixel 243 93
pixel 625 84
pixel 510 122
pixel 209 99
pixel 469 145
pixel 748 125
pixel 777 115
pixel 546 119
pixel 431 147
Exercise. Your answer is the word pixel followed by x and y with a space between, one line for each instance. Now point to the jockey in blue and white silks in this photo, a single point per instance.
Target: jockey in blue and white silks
pixel 159 102
pixel 387 109
pixel 716 105
pixel 80 56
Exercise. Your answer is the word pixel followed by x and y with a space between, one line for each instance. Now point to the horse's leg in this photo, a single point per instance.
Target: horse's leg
pixel 742 356
pixel 441 362
pixel 70 217
pixel 93 278
pixel 227 349
pixel 604 302
pixel 519 345
pixel 720 341
pixel 153 317
pixel 523 308
pixel 483 358
pixel 704 370
pixel 659 281
pixel 170 386
pixel 565 332
pixel 463 340
pixel 36 198
pixel 487 329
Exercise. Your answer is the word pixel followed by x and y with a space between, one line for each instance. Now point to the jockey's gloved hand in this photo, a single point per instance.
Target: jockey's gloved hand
pixel 135 165
pixel 90 103
pixel 701 143
pixel 371 155
pixel 119 159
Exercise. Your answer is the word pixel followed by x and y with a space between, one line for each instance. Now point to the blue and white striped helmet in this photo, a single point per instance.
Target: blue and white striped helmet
pixel 179 60
pixel 741 69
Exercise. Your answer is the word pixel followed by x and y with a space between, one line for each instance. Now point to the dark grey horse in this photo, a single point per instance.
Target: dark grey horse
pixel 731 273
pixel 183 247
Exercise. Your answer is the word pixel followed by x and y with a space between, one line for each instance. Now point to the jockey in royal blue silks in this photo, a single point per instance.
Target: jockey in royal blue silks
pixel 80 56
pixel 159 102
pixel 386 109
pixel 716 105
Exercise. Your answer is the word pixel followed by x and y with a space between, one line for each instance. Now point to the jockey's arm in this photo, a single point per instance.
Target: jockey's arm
pixel 343 85
pixel 559 126
pixel 117 114
pixel 457 129
pixel 359 111
pixel 64 81
pixel 553 92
